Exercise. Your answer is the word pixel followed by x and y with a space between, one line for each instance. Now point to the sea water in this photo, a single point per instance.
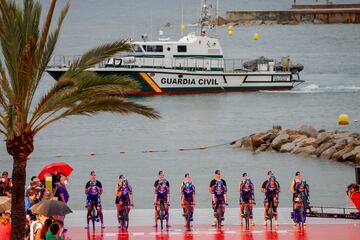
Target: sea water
pixel 330 54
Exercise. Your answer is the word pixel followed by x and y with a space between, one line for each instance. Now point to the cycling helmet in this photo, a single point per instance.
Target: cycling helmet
pixel 162 181
pixel 248 180
pixel 125 182
pixel 303 181
pixel 92 183
pixel 272 178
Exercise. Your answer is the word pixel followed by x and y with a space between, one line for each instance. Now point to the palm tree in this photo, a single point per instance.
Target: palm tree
pixel 26 51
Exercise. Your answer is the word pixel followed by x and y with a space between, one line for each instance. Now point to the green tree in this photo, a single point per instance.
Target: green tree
pixel 27 49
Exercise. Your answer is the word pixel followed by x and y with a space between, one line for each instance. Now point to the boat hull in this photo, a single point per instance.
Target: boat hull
pixel 158 82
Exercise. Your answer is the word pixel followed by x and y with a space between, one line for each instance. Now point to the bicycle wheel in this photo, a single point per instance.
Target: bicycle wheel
pixel 187 214
pixel 271 214
pixel 123 217
pixel 247 215
pixel 93 216
pixel 219 215
pixel 162 215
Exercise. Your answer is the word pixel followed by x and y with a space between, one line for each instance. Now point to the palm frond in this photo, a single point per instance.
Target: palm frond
pixel 106 104
pixel 97 55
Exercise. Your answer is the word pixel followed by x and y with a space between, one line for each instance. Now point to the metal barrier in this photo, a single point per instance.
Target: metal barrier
pixel 188 64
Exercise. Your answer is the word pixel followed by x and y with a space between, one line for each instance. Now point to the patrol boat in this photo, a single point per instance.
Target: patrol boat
pixel 194 64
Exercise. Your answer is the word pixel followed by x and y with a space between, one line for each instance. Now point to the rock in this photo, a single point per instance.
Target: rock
pixel 322 137
pixel 219 21
pixel 263 148
pixel 339 154
pixel 276 128
pixel 323 147
pixel 327 154
pixel 287 147
pixel 357 158
pixel 246 143
pixel 340 144
pixel 298 141
pixel 305 151
pixel 309 142
pixel 351 156
pixel 256 140
pixel 268 135
pixel 309 131
pixel 321 130
pixel 281 139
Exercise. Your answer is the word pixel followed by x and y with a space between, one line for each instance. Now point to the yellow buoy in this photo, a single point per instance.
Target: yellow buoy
pixel 183 26
pixel 230 27
pixel 343 119
pixel 230 32
pixel 256 36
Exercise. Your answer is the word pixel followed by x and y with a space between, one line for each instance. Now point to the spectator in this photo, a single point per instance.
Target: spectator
pixel 44 229
pixel 30 200
pixel 5 184
pixel 53 233
pixel 61 193
pixel 353 192
pixel 36 226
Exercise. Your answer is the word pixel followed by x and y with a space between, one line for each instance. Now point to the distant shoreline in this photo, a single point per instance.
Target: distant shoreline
pixel 299 13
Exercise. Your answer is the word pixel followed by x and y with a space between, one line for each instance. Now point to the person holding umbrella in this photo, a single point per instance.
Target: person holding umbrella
pixel 62 193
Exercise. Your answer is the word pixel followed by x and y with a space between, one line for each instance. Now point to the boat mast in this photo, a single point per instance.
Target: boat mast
pixel 207 18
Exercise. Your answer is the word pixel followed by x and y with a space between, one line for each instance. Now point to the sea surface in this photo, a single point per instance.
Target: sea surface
pixel 330 54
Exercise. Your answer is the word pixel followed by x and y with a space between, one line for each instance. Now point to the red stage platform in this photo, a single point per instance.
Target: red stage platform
pixel 204 232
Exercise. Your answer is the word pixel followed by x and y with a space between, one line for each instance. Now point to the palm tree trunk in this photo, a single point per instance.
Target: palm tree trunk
pixel 18 217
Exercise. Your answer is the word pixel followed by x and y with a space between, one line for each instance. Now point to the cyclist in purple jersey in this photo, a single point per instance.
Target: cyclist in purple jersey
pixel 272 190
pixel 162 194
pixel 247 196
pixel 219 194
pixel 187 191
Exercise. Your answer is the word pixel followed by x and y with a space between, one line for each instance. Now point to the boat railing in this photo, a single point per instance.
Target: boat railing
pixel 186 64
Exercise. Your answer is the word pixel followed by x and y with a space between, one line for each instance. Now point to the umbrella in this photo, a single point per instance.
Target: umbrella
pixel 62 167
pixel 5 203
pixel 51 208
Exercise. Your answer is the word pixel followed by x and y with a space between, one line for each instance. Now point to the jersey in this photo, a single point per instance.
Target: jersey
pixel 271 191
pixel 156 183
pixel 219 191
pixel 125 193
pixel 188 193
pixel 161 193
pixel 93 194
pixel 246 193
pixel 97 183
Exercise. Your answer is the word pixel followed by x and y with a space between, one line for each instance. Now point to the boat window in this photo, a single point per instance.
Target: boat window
pixel 137 48
pixel 181 48
pixel 153 48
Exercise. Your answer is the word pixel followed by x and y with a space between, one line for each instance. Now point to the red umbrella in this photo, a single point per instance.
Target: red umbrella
pixel 62 167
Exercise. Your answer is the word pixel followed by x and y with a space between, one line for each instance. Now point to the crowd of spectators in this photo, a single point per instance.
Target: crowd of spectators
pixel 40 227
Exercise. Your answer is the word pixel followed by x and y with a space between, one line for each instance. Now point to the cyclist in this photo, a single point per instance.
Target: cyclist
pixel 187 191
pixel 212 184
pixel 162 194
pixel 301 199
pixel 219 194
pixel 117 193
pixel 124 197
pixel 272 190
pixel 303 189
pixel 95 191
pixel 247 196
pixel 93 199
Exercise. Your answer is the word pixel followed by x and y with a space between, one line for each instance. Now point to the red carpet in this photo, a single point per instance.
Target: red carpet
pixel 204 232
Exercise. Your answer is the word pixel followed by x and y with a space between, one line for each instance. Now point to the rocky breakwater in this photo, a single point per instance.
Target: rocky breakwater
pixel 337 145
